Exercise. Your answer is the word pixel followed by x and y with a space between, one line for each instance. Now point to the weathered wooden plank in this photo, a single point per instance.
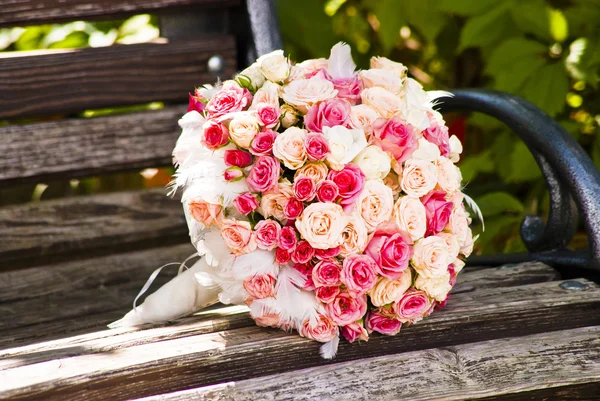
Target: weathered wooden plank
pixel 122 371
pixel 88 146
pixel 29 12
pixel 50 231
pixel 557 361
pixel 65 81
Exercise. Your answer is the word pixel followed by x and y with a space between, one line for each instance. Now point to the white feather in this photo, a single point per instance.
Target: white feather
pixel 329 349
pixel 254 263
pixel 433 95
pixel 295 304
pixel 340 64
pixel 469 201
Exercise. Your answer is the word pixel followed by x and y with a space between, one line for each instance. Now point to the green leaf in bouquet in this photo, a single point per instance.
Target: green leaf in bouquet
pixel 489 28
pixel 466 7
pixel 495 203
pixel 548 88
pixel 533 17
pixel 522 164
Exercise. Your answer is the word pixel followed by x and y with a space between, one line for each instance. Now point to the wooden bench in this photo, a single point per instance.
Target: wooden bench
pixel 68 267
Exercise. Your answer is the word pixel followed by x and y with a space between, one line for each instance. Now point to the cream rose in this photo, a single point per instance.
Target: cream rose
pixel 449 176
pixel 375 204
pixel 315 171
pixel 344 145
pixel 387 291
pixel 418 177
pixel 321 224
pixel 426 151
pixel 456 149
pixel 374 162
pixel 289 147
pixel 410 215
pixel 459 264
pixel 384 102
pixel 436 287
pixel 383 63
pixel 273 203
pixel 452 243
pixel 431 257
pixel 355 236
pixel 252 76
pixel 381 78
pixel 305 93
pixel 458 224
pixel 362 117
pixel 238 236
pixel 269 93
pixel 243 128
pixel 289 115
pixel 393 181
pixel 275 66
pixel 314 64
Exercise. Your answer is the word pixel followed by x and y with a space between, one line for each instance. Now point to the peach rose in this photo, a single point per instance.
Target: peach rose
pixel 384 102
pixel 362 117
pixel 263 313
pixel 412 307
pixel 410 215
pixel 431 257
pixel 289 115
pixel 314 64
pixel 459 226
pixel 206 213
pixel 315 171
pixel 458 264
pixel 456 149
pixel 243 128
pixel 418 177
pixel 375 204
pixel 385 79
pixel 449 176
pixel 304 93
pixel 321 224
pixel 260 286
pixel 374 162
pixel 387 291
pixel 452 242
pixel 268 93
pixel 319 328
pixel 273 203
pixel 346 309
pixel 354 331
pixel 397 69
pixel 238 236
pixel 392 180
pixel 289 147
pixel 436 287
pixel 354 236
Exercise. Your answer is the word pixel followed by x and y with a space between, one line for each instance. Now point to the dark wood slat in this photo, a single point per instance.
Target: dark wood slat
pixel 29 12
pixel 65 81
pixel 123 371
pixel 82 227
pixel 88 146
pixel 563 361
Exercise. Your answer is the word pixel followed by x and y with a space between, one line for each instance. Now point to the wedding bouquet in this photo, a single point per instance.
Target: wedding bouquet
pixel 326 200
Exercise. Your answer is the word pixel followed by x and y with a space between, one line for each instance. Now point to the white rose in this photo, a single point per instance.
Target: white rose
pixel 296 72
pixel 459 264
pixel 418 177
pixel 382 78
pixel 452 242
pixel 275 67
pixel 354 236
pixel 269 93
pixel 322 224
pixel 410 215
pixel 253 75
pixel 436 287
pixel 431 257
pixel 416 106
pixel 304 93
pixel 243 128
pixel 397 69
pixel 344 145
pixel 456 149
pixel 458 224
pixel 289 115
pixel 449 176
pixel 384 102
pixel 386 291
pixel 289 147
pixel 374 162
pixel 362 117
pixel 375 204
pixel 426 150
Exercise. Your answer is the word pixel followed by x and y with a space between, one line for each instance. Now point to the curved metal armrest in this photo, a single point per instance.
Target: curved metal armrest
pixel 573 180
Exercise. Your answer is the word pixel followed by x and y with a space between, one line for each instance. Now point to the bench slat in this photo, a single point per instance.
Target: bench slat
pixel 83 147
pixel 109 368
pixel 82 227
pixel 65 81
pixel 29 12
pixel 555 363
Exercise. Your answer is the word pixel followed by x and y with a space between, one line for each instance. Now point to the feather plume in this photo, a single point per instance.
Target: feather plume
pixel 295 304
pixel 340 64
pixel 469 201
pixel 329 349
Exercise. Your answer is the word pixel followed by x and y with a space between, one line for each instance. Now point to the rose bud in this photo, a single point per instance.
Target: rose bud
pixel 327 191
pixel 304 189
pixel 282 256
pixel 214 135
pixel 195 104
pixel 233 174
pixel 354 331
pixel 246 203
pixel 293 208
pixel 237 158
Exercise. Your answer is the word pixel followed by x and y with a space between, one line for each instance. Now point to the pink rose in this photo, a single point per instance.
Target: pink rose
pixel 437 134
pixel 268 318
pixel 293 208
pixel 238 236
pixel 395 136
pixel 237 158
pixel 327 191
pixel 355 331
pixel 453 274
pixel 305 268
pixel 358 273
pixel 282 256
pixel 438 211
pixel 233 174
pixel 327 294
pixel 268 115
pixel 246 203
pixel 327 253
pixel 260 286
pixel 320 329
pixel 350 182
pixel 412 307
pixel 348 88
pixel 267 234
pixel 214 135
pixel 304 189
pixel 287 238
pixel 308 284
pixel 262 144
pixel 382 324
pixel 346 309
pixel 205 213
pixel 390 249
pixel 317 147
pixel 229 99
pixel 327 273
pixel 264 174
pixel 327 114
pixel 303 252
pixel 195 104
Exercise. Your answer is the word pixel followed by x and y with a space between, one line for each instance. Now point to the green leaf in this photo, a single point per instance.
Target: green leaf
pixel 523 166
pixel 391 17
pixel 497 230
pixel 472 165
pixel 548 88
pixel 582 17
pixel 559 27
pixel 423 15
pixel 73 40
pixel 583 61
pixel 532 16
pixel 496 203
pixel 466 7
pixel 487 29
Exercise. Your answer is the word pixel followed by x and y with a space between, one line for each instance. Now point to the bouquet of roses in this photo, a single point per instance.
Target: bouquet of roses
pixel 326 200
